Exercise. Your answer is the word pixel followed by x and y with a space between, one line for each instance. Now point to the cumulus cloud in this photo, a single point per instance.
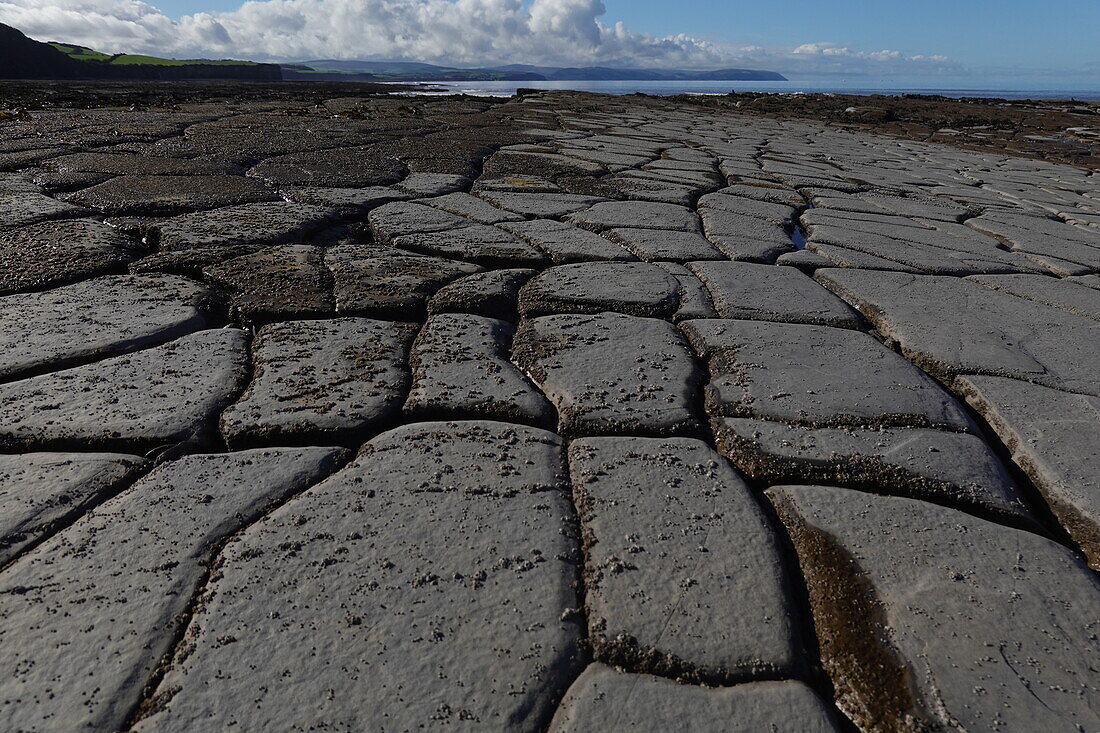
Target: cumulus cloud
pixel 462 32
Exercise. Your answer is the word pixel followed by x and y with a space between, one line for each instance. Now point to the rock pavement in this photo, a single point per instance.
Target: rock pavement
pixel 562 412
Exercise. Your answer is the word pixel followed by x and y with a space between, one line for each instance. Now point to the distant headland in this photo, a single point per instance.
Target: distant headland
pixel 25 58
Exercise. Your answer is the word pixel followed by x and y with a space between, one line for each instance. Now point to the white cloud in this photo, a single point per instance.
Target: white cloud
pixel 462 32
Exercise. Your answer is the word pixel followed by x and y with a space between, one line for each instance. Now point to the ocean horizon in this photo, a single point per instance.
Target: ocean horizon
pixel 861 86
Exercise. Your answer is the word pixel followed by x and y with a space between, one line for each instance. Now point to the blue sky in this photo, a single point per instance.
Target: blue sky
pixel 913 38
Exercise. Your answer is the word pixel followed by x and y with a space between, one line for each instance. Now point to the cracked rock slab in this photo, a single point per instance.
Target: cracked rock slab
pixel 436 574
pixel 58 328
pixel 152 398
pixel 930 619
pixel 642 214
pixel 491 294
pixel 320 382
pixel 745 238
pixel 816 376
pixel 481 244
pixel 611 373
pixel 461 371
pixel 634 288
pixel 289 281
pixel 767 293
pixel 539 205
pixel 274 222
pixel 356 167
pixel 955 469
pixel 1063 294
pixel 658 245
pixel 683 575
pixel 1055 437
pixel 473 208
pixel 402 218
pixel 949 326
pixel 603 699
pixel 86 617
pixel 163 195
pixel 39 491
pixel 23 209
pixel 389 285
pixel 565 244
pixel 54 253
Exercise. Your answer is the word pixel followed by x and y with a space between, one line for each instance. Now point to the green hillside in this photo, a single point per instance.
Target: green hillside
pixel 83 53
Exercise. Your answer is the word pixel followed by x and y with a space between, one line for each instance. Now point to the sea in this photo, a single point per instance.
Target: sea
pixel 860 86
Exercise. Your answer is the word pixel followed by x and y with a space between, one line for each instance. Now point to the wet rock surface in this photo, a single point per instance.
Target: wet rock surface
pixel 647 321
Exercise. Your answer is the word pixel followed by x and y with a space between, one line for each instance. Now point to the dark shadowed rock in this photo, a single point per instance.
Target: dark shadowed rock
pixel 262 223
pixel 491 294
pixel 289 281
pixel 56 253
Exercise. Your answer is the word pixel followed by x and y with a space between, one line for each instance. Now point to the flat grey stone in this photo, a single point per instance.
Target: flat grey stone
pixel 191 262
pixel 683 575
pixel 1043 240
pixel 87 616
pixel 634 288
pixel 781 214
pixel 136 402
pixel 387 285
pixel 804 260
pixel 956 469
pixel 542 165
pixel 643 214
pixel 436 574
pixel 611 373
pixel 55 253
pixel 40 491
pixel 337 167
pixel 321 382
pixel 162 195
pixel 603 699
pixel 402 218
pixel 351 200
pixel 564 243
pixel 768 293
pixel 12 182
pixel 930 619
pixel 480 244
pixel 745 238
pixel 472 207
pixel 461 371
pixel 23 209
pixel 1060 293
pixel 432 184
pixel 1055 438
pixel 769 194
pixel 122 164
pixel 933 321
pixel 695 301
pixel 54 329
pixel 491 294
pixel 653 245
pixel 289 281
pixel 517 184
pixel 539 205
pixel 816 376
pixel 262 223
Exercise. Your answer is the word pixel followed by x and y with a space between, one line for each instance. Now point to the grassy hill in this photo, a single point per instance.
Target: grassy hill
pixel 83 53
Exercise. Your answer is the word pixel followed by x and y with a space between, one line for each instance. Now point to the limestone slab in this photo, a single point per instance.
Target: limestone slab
pixel 23 209
pixel 164 195
pixel 434 576
pixel 262 223
pixel 321 382
pixel 461 370
pixel 86 617
pixel 288 281
pixel 565 244
pixel 932 619
pixel 480 244
pixel 611 373
pixel 768 293
pixel 643 214
pixel 949 326
pixel 149 399
pixel 654 245
pixel 956 469
pixel 683 574
pixel 491 294
pixel 603 699
pixel 816 376
pixel 54 253
pixel 41 491
pixel 634 288
pixel 1055 437
pixel 54 329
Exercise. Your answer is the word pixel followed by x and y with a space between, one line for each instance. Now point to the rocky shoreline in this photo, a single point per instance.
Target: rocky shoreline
pixel 325 410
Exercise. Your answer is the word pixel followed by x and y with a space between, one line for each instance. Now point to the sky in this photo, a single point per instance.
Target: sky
pixel 916 39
